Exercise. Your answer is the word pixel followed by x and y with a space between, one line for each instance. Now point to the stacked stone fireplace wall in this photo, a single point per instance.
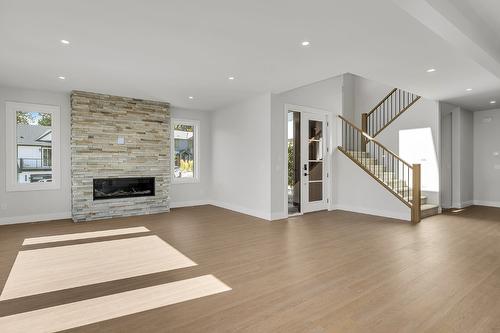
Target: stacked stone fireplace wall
pixel 98 123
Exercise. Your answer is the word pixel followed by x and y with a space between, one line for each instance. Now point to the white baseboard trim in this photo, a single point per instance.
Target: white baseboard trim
pixel 180 204
pixel 243 210
pixel 487 203
pixel 35 218
pixel 278 216
pixel 382 213
pixel 464 204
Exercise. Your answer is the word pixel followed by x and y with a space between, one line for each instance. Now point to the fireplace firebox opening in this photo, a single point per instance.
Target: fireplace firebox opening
pixel 113 188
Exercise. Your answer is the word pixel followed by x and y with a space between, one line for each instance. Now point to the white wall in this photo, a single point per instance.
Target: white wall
pixel 191 194
pixel 461 164
pixel 467 158
pixel 487 158
pixel 367 94
pixel 446 165
pixel 349 98
pixel 56 204
pixel 36 205
pixel 241 157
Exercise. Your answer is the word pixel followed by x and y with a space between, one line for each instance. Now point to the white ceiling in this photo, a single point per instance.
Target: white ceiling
pixel 169 50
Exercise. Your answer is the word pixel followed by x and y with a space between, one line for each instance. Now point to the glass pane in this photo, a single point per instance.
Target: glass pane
pixel 184 151
pixel 315 140
pixel 315 170
pixel 293 162
pixel 34 147
pixel 315 191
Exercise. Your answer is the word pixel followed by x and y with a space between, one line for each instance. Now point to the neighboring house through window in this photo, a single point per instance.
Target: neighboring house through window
pixel 32 132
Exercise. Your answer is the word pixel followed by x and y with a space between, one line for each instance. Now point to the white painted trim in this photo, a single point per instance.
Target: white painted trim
pixel 280 216
pixel 243 210
pixel 11 182
pixel 462 204
pixel 192 203
pixel 35 218
pixel 487 203
pixel 376 212
pixel 196 176
pixel 467 203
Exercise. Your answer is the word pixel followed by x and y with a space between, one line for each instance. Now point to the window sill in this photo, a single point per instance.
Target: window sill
pixel 32 187
pixel 185 181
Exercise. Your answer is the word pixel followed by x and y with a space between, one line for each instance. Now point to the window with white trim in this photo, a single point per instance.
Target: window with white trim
pixel 32 147
pixel 185 151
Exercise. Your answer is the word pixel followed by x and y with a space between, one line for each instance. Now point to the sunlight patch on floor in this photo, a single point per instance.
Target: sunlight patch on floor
pixel 57 268
pixel 84 235
pixel 94 310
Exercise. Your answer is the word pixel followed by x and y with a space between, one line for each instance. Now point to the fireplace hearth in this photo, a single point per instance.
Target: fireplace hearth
pixel 114 188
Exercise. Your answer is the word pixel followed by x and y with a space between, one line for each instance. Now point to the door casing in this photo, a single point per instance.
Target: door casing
pixel 325 117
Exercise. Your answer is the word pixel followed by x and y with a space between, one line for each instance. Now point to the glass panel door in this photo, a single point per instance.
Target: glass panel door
pixel 315 142
pixel 313 161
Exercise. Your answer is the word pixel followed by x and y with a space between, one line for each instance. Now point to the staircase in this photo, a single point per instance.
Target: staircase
pixel 396 175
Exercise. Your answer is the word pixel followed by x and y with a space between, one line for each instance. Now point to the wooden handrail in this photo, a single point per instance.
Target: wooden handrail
pixel 369 138
pixel 382 101
pixel 356 127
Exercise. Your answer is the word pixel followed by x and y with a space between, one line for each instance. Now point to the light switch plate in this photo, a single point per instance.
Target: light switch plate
pixel 121 140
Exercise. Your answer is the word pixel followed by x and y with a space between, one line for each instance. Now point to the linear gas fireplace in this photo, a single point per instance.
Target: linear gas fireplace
pixel 113 188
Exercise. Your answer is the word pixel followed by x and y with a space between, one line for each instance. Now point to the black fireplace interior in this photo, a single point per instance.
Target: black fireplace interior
pixel 112 188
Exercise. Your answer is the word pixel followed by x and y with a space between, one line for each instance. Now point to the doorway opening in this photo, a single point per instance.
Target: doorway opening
pixel 293 159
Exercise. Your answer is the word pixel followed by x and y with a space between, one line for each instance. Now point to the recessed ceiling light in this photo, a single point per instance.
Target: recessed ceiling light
pixel 231 78
pixel 493 102
pixel 61 77
pixel 306 43
pixel 468 89
pixel 430 70
pixel 191 97
pixel 64 41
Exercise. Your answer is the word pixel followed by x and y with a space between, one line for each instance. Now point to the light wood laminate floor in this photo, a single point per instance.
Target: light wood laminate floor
pixel 321 272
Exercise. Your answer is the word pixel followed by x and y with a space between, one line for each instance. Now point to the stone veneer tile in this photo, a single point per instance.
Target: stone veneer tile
pixel 97 121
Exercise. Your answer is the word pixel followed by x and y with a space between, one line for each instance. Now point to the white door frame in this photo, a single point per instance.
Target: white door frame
pixel 327 137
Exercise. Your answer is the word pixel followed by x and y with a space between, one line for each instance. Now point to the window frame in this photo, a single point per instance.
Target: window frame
pixel 196 147
pixel 11 176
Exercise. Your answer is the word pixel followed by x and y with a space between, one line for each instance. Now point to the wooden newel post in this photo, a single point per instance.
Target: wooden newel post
pixel 364 127
pixel 415 208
